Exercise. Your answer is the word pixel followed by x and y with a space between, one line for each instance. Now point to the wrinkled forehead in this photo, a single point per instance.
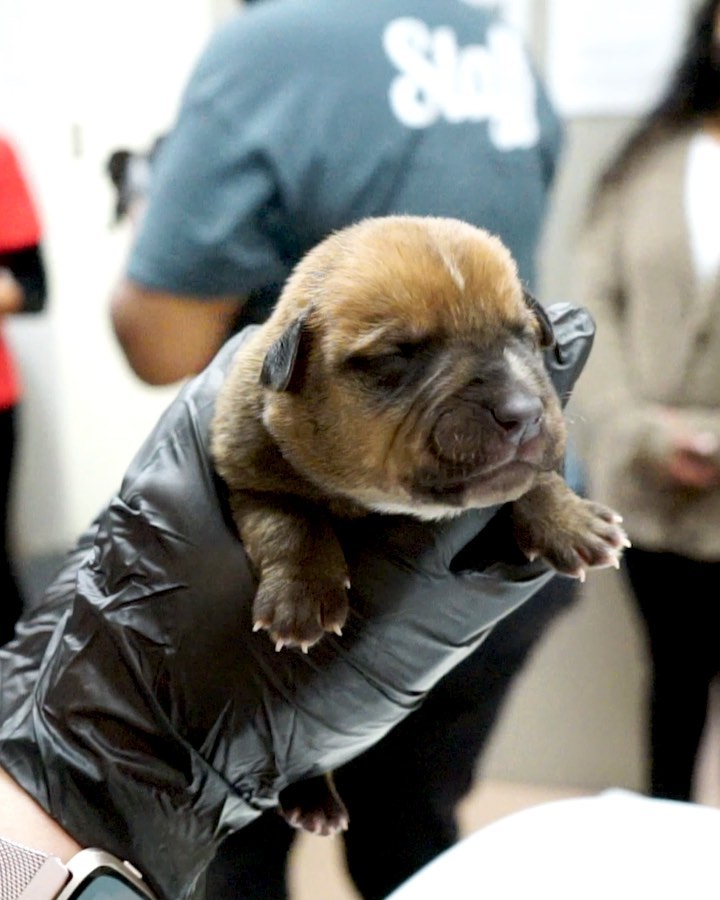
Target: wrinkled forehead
pixel 407 282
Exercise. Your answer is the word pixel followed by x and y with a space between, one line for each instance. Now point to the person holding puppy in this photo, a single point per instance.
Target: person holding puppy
pixel 142 716
pixel 301 118
pixel 651 277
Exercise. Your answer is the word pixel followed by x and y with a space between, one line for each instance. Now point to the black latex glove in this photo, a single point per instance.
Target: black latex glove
pixel 142 711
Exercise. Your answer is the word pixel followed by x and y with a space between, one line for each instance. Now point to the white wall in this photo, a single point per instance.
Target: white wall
pixel 79 79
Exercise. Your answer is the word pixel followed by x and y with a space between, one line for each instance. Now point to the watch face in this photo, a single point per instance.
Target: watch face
pixel 107 886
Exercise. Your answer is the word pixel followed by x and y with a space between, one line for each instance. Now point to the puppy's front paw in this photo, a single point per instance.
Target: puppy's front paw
pixel 297 611
pixel 583 535
pixel 314 805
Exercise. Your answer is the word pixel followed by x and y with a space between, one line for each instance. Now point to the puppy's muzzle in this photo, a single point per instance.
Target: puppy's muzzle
pixel 476 431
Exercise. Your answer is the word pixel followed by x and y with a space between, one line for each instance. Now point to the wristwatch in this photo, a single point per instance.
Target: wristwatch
pixel 27 874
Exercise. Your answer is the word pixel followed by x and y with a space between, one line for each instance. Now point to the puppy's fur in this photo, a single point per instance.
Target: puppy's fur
pixel 400 372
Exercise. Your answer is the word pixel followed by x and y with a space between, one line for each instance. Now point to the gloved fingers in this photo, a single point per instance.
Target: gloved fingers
pixel 574 334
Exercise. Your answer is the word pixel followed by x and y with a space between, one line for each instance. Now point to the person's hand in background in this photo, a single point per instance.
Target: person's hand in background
pixel 686 454
pixel 11 293
pixel 692 460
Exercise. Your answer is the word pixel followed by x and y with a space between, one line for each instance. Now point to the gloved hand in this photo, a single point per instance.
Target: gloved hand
pixel 147 717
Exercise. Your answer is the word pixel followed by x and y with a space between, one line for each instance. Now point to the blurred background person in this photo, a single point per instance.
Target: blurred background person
pixel 299 119
pixel 650 274
pixel 22 289
pixel 129 173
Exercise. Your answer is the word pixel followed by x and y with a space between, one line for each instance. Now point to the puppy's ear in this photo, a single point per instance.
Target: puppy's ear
pixel 284 362
pixel 547 333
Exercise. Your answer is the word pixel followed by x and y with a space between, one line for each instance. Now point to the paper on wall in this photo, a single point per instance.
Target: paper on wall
pixel 612 58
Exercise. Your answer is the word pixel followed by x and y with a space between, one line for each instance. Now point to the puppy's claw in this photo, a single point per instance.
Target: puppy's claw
pixel 338 630
pixel 305 646
pixel 581 576
pixel 258 626
pixel 279 644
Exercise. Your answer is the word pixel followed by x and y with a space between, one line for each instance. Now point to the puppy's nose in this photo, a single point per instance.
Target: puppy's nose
pixel 519 415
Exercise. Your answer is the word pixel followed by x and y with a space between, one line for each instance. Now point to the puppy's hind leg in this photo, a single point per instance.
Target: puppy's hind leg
pixel 314 805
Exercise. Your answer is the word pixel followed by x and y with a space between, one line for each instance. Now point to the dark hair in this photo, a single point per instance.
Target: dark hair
pixel 692 94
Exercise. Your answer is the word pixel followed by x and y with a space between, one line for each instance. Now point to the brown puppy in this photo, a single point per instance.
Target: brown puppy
pixel 400 372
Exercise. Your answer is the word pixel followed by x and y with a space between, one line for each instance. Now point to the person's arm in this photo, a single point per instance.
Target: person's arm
pixel 166 337
pixel 24 821
pixel 22 269
pixel 681 446
pixel 208 233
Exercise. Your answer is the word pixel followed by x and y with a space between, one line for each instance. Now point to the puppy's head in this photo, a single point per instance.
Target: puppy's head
pixel 405 369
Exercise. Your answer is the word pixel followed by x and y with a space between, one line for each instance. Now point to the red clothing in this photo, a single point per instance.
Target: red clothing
pixel 19 221
pixel 9 379
pixel 19 228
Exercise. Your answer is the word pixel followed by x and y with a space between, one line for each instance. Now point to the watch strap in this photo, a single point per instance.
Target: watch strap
pixel 27 874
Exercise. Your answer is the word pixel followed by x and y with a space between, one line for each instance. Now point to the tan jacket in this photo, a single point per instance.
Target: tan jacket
pixel 657 344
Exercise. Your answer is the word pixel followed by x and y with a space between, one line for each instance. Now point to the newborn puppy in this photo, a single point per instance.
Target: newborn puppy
pixel 400 372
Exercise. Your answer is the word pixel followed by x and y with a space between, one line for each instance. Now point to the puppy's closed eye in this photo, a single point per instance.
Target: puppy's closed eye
pixel 397 366
pixel 529 335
